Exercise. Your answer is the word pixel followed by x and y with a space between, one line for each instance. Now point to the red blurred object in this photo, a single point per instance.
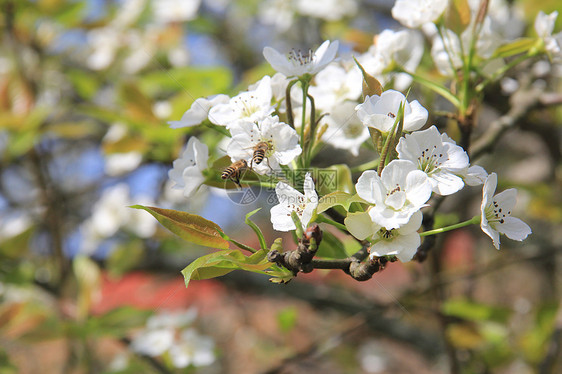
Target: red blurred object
pixel 148 291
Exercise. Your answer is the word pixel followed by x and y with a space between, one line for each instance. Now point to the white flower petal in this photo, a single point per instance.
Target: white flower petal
pixel 418 188
pixel 417 118
pixel 281 218
pixel 403 246
pixel 326 53
pixel 413 224
pixel 396 173
pixel 506 200
pixel 396 200
pixel 474 175
pixel 488 230
pixel 445 183
pixel 490 186
pixel 514 228
pixel 360 225
pixel 297 64
pixel 192 180
pixel 277 61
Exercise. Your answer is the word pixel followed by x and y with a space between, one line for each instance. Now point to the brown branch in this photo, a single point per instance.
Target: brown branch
pixel 439 296
pixel 323 345
pixel 302 259
pixel 522 102
pixel 52 201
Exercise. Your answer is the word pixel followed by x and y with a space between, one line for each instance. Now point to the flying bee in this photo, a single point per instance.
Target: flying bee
pixel 234 170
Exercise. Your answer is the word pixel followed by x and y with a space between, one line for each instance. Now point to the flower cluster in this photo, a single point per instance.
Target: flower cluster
pixel 428 162
pixel 315 100
pixel 170 334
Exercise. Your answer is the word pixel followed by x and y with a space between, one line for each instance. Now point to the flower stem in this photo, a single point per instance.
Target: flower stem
pixel 501 71
pixel 258 183
pixel 304 143
pixel 370 165
pixel 320 218
pixel 441 90
pixel 289 104
pixel 473 221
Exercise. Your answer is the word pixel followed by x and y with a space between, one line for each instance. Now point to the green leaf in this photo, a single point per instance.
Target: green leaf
pixel 472 311
pixel 223 262
pixel 334 178
pixel 331 247
pixel 287 318
pixel 125 257
pixel 73 130
pixel 521 45
pixel 535 342
pixel 71 13
pixel 458 16
pixel 137 105
pixel 257 230
pixel 86 84
pixel 337 198
pixel 280 276
pixel 119 321
pixel 190 227
pixel 191 82
pixel 17 246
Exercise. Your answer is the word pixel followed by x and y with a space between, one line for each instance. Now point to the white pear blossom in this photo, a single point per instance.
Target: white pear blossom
pixel 121 163
pixel 111 213
pixel 278 13
pixel 330 10
pixel 253 105
pixel 415 13
pixel 292 200
pixel 448 52
pixel 166 333
pixel 187 171
pixel 175 10
pixel 544 25
pixel 199 111
pixel 297 63
pixel 103 43
pixel 167 319
pixel 508 18
pixel 192 349
pixel 153 342
pixel 128 12
pixel 440 159
pixel 403 48
pixel 345 130
pixel 399 192
pixel 496 213
pixel 278 83
pixel 282 141
pixel 334 85
pixel 380 112
pixel 402 242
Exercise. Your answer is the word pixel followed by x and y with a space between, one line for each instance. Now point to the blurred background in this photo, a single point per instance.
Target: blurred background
pixel 88 285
